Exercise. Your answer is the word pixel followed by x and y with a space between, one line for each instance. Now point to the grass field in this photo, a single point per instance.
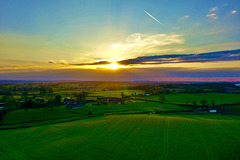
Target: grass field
pixel 218 98
pixel 115 93
pixel 16 116
pixel 127 137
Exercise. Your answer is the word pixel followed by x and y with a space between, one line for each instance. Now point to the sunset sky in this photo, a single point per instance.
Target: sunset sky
pixel 125 40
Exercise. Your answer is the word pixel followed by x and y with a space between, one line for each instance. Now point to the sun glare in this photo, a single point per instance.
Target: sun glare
pixel 113 65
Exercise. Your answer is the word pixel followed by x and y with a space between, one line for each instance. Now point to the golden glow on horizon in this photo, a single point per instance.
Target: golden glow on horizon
pixel 113 66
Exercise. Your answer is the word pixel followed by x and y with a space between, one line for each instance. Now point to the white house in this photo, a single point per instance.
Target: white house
pixel 213 111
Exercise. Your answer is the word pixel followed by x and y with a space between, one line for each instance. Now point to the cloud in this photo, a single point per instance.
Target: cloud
pixel 223 56
pixel 115 45
pixel 212 16
pixel 232 55
pixel 184 18
pixel 34 48
pixel 138 44
pixel 234 12
pixel 63 62
pixel 94 63
pixel 140 74
pixel 52 62
pixel 213 9
pixel 157 39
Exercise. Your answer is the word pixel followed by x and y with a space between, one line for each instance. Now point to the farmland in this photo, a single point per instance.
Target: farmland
pixel 43 114
pixel 144 126
pixel 183 98
pixel 127 137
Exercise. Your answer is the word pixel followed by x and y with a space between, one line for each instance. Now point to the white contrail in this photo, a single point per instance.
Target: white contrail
pixel 152 17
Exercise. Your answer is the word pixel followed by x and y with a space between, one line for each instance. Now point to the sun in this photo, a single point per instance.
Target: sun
pixel 113 66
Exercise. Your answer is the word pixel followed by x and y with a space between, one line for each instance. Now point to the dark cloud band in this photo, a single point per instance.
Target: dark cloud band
pixel 229 55
pixel 185 58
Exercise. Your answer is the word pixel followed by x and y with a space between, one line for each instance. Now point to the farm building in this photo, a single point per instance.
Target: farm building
pixel 238 85
pixel 39 100
pixel 212 111
pixel 69 100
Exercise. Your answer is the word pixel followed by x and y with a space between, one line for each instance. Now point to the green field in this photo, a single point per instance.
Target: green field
pixel 183 98
pixel 18 116
pixel 127 137
pixel 115 93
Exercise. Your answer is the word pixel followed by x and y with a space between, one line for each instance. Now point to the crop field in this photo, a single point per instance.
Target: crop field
pixel 115 93
pixel 18 116
pixel 127 137
pixel 218 98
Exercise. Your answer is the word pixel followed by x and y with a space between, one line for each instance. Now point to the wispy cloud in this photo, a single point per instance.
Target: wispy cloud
pixel 212 13
pixel 212 16
pixel 137 44
pixel 184 18
pixel 213 9
pixel 234 12
pixel 94 63
pixel 153 17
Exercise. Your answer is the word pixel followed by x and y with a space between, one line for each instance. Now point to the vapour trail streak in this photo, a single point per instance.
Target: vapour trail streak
pixel 152 17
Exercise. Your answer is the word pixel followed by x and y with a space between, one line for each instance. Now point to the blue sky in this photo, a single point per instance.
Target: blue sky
pixel 62 18
pixel 32 33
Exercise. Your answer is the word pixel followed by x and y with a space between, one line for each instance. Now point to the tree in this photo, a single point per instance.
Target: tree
pixel 50 102
pixel 203 102
pixel 9 99
pixel 25 93
pixel 43 91
pixel 27 104
pixel 58 100
pixel 162 98
pixel 50 90
pixel 81 96
pixel 122 94
pixel 194 102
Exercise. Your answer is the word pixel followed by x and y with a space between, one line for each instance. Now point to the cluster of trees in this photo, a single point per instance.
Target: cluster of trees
pixel 9 100
pixel 56 101
pixel 30 102
pixel 12 103
pixel 166 88
pixel 80 96
pixel 202 102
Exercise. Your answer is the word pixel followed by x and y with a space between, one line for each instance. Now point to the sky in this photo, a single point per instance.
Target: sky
pixel 127 40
